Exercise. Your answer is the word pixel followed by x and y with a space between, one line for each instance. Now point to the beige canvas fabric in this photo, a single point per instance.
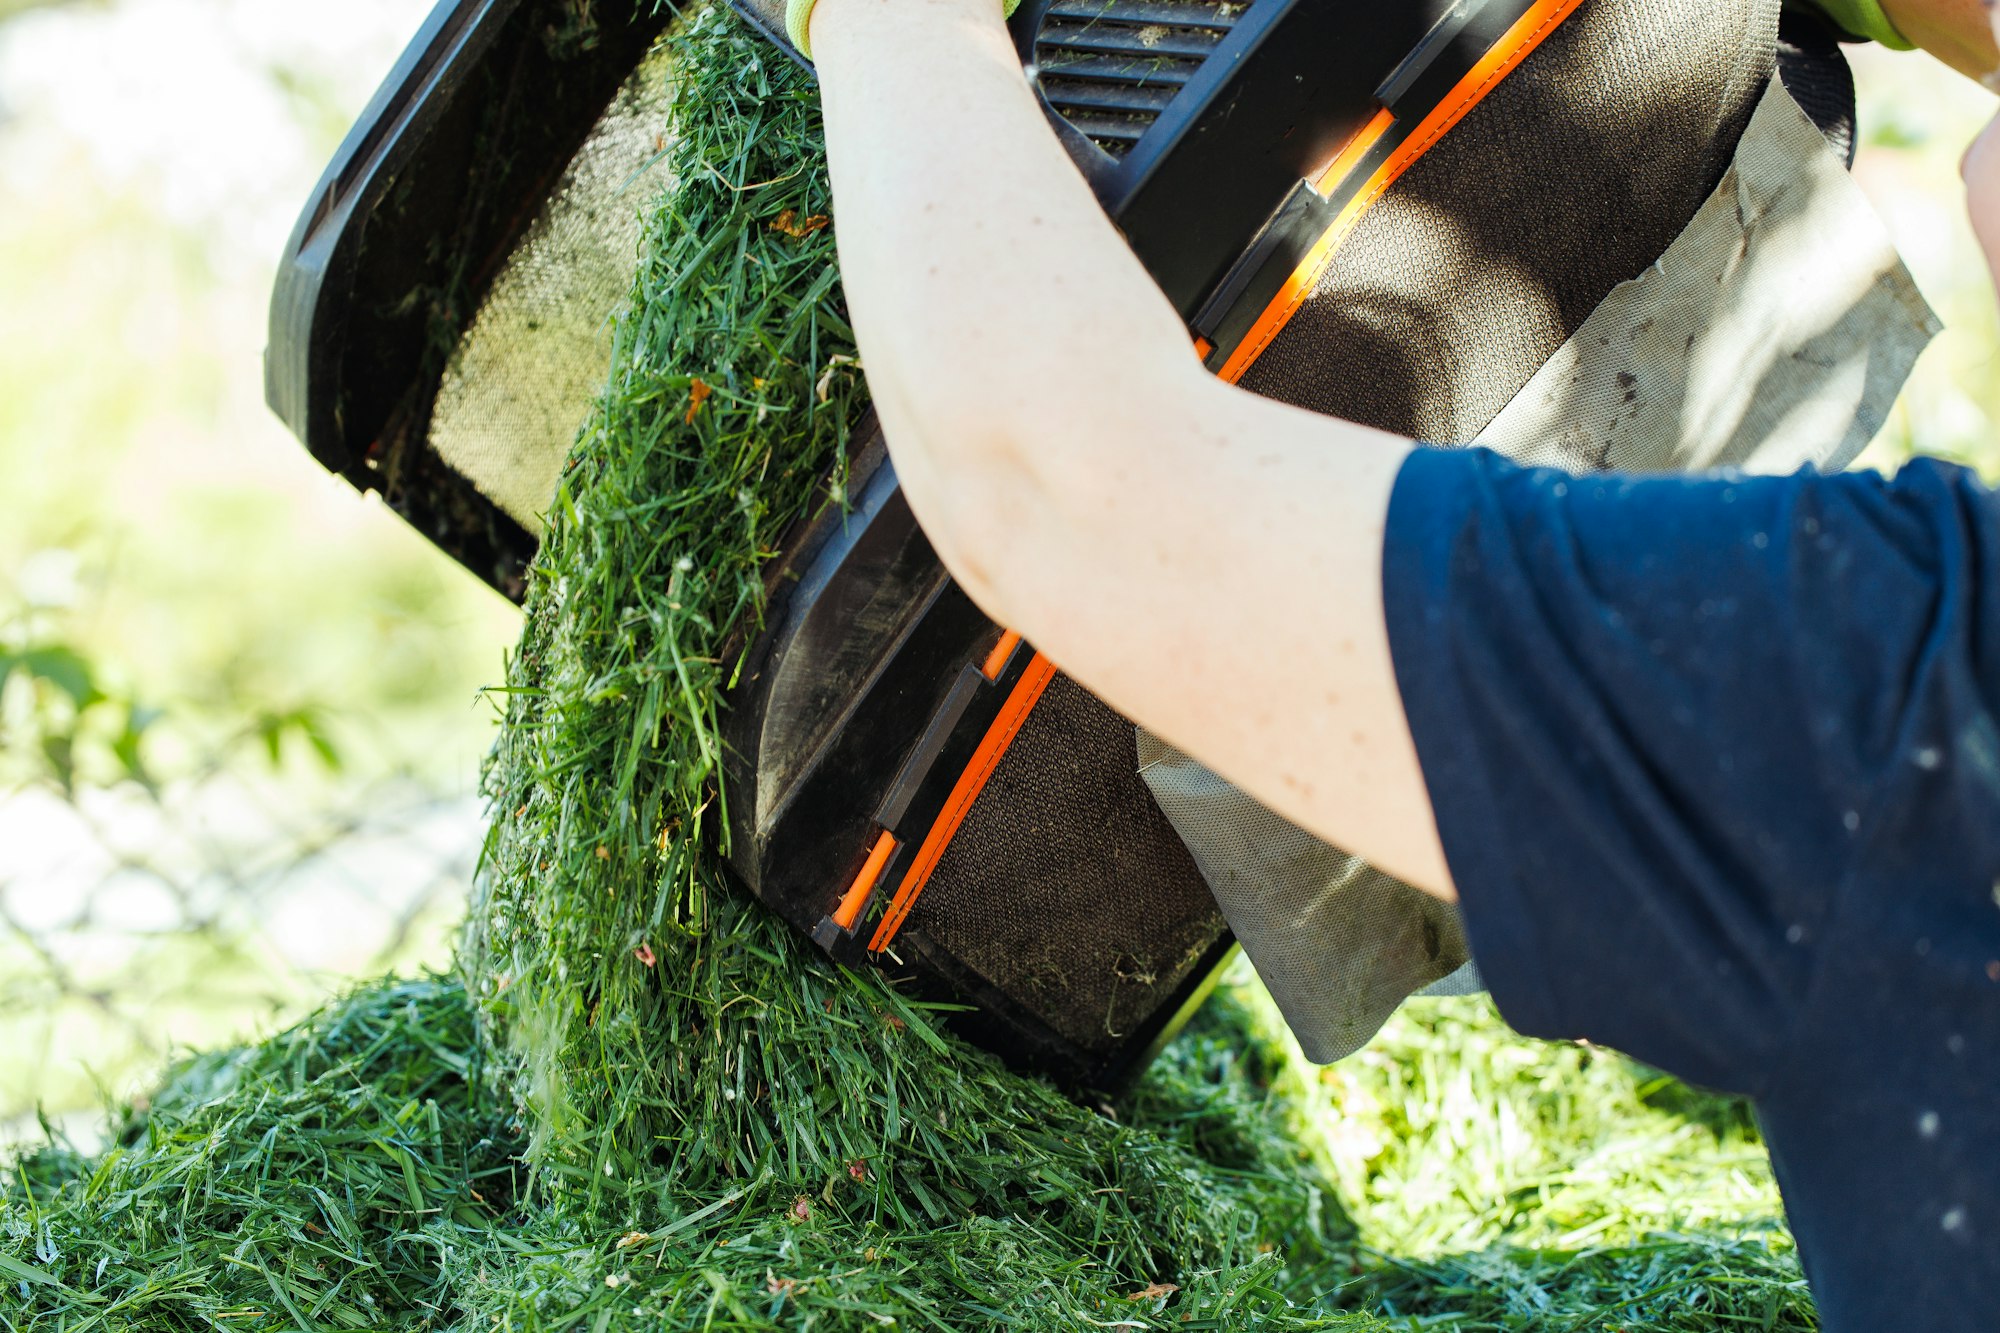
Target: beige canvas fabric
pixel 1775 332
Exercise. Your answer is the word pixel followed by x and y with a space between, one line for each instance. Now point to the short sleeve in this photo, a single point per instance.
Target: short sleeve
pixel 1656 717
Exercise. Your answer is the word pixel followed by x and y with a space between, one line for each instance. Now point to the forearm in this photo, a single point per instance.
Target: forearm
pixel 1205 560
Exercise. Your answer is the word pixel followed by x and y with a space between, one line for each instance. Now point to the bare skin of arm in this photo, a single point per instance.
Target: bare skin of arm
pixel 1955 31
pixel 1981 169
pixel 1207 561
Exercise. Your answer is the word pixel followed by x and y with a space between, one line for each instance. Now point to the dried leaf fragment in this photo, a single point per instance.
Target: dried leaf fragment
pixel 825 385
pixel 698 393
pixel 1154 1292
pixel 794 226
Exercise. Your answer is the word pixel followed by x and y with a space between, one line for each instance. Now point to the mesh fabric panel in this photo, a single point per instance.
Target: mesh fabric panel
pixel 1066 887
pixel 1774 333
pixel 521 381
pixel 1569 178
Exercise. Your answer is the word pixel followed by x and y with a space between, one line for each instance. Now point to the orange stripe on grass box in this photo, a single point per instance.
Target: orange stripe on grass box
pixel 1027 693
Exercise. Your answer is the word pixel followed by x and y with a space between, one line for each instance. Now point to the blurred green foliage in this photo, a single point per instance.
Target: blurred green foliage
pixel 15 8
pixel 216 661
pixel 62 709
pixel 196 546
pixel 62 721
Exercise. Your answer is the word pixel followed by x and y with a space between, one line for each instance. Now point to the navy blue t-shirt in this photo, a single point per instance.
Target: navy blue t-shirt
pixel 1717 769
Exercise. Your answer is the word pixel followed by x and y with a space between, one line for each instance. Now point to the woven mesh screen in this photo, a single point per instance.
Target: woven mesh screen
pixel 1568 179
pixel 1571 177
pixel 1066 887
pixel 533 358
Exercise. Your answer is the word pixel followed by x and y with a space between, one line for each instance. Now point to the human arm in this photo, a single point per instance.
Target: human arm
pixel 1981 170
pixel 1206 560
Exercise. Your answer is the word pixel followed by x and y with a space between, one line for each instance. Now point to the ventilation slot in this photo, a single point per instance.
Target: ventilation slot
pixel 1109 67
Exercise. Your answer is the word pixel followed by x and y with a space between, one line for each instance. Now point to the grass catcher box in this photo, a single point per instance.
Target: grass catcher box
pixel 1309 182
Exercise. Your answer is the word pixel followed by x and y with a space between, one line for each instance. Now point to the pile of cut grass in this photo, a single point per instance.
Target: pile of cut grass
pixel 363 1171
pixel 648 1105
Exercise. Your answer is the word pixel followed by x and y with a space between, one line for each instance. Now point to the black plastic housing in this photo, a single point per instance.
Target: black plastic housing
pixel 1199 125
pixel 407 227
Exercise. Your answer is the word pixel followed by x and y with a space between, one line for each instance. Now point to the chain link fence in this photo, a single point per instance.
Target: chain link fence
pixel 138 917
pixel 238 710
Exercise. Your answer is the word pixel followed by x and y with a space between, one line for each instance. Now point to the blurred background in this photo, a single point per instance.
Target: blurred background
pixel 240 709
pixel 240 725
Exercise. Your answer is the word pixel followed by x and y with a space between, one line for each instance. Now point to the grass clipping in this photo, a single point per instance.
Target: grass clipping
pixel 644 1102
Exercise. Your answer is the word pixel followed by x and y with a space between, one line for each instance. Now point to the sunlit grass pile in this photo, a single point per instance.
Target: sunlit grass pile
pixel 643 1104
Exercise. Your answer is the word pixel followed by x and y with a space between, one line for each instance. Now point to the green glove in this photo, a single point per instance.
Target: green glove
pixel 1863 18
